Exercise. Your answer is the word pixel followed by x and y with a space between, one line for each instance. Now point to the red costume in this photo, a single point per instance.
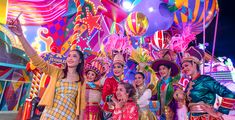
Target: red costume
pixel 128 112
pixel 109 91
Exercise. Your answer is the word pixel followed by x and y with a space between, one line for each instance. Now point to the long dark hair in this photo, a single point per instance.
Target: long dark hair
pixel 79 68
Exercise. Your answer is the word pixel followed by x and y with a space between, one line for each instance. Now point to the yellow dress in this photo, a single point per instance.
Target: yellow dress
pixel 64 103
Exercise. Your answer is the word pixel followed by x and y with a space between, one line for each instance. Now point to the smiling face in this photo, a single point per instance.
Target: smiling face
pixel 121 92
pixel 189 68
pixel 118 69
pixel 139 80
pixel 90 76
pixel 164 71
pixel 73 59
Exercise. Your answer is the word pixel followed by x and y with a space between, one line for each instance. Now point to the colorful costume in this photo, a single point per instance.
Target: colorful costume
pixel 110 88
pixel 50 95
pixel 109 91
pixel 165 91
pixel 93 98
pixel 64 102
pixel 93 91
pixel 165 88
pixel 128 112
pixel 144 96
pixel 203 90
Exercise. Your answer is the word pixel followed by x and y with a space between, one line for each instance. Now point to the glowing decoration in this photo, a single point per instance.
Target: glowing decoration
pixel 35 80
pixel 193 14
pixel 136 24
pixel 82 44
pixel 35 12
pixel 161 40
pixel 91 22
pixel 96 4
pixel 183 82
pixel 127 5
pixel 179 42
pixel 114 44
pixel 3 6
pixel 159 17
pixel 114 11
pixel 174 5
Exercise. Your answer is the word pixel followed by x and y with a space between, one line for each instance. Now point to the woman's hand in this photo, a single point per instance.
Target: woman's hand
pixel 15 26
pixel 119 104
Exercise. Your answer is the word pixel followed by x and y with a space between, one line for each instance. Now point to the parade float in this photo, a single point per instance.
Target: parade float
pixel 100 28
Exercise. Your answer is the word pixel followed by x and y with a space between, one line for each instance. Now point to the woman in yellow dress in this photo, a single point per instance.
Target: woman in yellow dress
pixel 64 97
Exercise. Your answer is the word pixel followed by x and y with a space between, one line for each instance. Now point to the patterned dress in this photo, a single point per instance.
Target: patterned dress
pixel 64 107
pixel 128 112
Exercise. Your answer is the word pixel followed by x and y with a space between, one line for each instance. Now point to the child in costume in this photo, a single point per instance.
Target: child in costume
pixel 93 72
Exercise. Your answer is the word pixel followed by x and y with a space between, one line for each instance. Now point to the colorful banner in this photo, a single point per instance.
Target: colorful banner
pixel 3 15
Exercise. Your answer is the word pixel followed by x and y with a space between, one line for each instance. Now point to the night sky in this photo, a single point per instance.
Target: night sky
pixel 225 43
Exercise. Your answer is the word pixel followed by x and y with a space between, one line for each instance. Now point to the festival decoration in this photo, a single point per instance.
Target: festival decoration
pixel 142 57
pixel 35 12
pixel 3 6
pixel 159 17
pixel 174 5
pixel 35 85
pixel 136 24
pixel 96 4
pixel 193 14
pixel 14 85
pixel 161 40
pixel 114 44
pixel 114 11
pixel 179 42
pixel 54 31
pixel 91 21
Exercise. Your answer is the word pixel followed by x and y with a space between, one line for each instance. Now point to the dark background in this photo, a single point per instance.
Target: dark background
pixel 225 42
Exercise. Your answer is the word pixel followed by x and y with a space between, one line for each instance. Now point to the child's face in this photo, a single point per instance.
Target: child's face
pixel 91 76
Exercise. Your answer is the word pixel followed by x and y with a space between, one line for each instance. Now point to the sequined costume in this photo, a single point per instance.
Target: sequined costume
pixel 93 98
pixel 128 112
pixel 203 90
pixel 143 99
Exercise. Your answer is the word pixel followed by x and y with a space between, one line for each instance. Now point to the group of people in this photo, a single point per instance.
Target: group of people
pixel 73 92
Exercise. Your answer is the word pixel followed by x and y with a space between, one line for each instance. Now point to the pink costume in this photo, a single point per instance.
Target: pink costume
pixel 93 98
pixel 128 112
